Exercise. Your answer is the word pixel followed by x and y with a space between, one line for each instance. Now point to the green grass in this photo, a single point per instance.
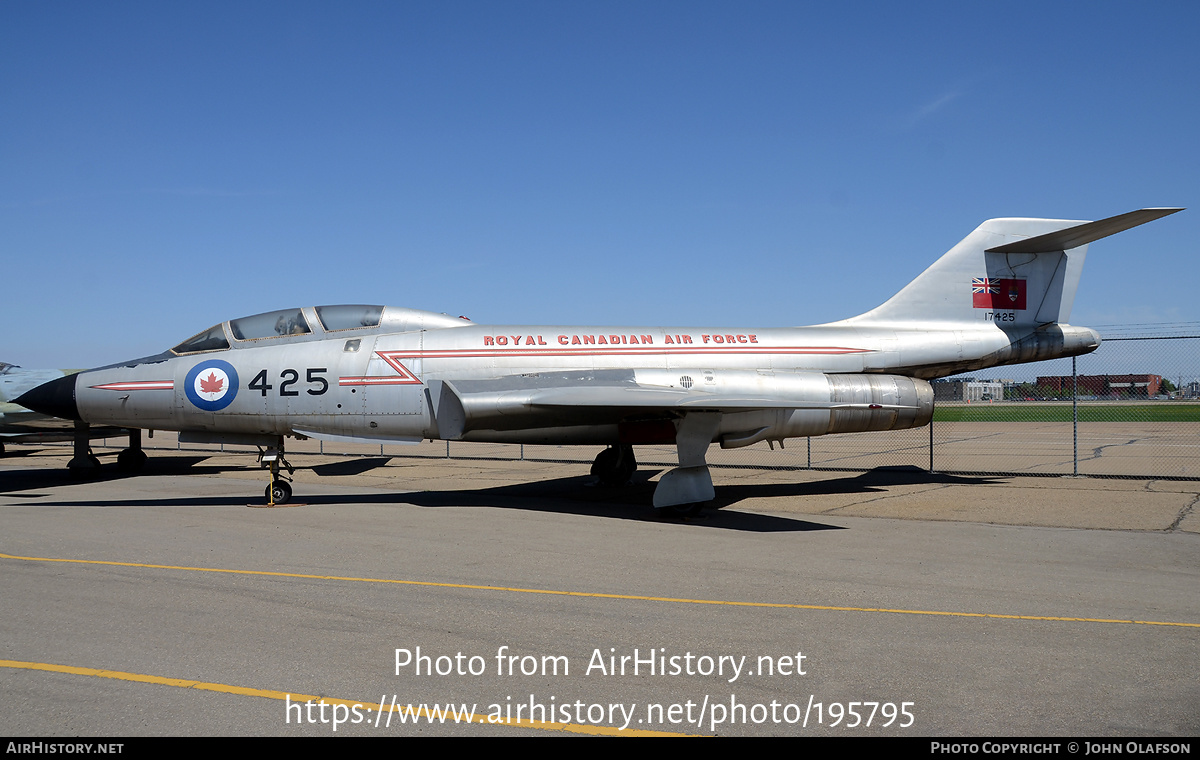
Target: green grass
pixel 1166 411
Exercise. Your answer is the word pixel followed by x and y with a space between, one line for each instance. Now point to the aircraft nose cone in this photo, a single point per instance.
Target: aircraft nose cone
pixel 55 398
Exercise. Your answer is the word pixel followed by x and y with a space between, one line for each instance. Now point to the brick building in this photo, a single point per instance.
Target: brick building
pixel 1139 386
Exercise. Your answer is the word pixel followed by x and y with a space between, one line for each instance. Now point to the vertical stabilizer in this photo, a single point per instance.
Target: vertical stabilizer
pixel 1025 270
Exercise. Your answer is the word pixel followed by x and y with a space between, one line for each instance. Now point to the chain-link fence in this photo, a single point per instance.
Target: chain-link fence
pixel 1130 409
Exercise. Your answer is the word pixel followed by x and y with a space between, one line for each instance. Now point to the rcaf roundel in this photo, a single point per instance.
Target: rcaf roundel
pixel 211 385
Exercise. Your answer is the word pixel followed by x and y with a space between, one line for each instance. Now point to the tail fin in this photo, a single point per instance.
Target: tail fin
pixel 1024 269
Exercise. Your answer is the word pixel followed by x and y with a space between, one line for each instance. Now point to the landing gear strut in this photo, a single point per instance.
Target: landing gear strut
pixel 615 465
pixel 84 464
pixel 280 490
pixel 132 458
pixel 684 490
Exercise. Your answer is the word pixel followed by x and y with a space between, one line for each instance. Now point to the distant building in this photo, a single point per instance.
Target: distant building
pixel 967 390
pixel 1118 386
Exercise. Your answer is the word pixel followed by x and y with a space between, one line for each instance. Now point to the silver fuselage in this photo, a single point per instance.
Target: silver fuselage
pixel 377 384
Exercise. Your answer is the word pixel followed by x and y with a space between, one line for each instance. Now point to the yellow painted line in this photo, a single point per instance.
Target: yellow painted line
pixel 427 717
pixel 599 595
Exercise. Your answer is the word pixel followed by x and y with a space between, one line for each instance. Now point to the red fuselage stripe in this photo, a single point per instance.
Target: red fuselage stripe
pixel 388 380
pixel 622 351
pixel 138 385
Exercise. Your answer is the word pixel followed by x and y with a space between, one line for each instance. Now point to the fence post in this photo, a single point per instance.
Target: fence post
pixel 809 439
pixel 931 445
pixel 1074 418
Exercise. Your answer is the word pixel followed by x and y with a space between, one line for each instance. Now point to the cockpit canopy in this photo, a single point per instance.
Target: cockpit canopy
pixel 212 339
pixel 321 319
pixel 273 324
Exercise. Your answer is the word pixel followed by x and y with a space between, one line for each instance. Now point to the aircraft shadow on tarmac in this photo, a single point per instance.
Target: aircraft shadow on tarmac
pixel 48 477
pixel 577 495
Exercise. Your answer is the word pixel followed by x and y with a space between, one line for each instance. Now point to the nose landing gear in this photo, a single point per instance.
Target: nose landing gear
pixel 280 490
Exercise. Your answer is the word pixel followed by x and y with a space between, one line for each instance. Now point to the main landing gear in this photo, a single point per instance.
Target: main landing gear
pixel 280 490
pixel 84 465
pixel 684 490
pixel 615 465
pixel 685 510
pixel 133 458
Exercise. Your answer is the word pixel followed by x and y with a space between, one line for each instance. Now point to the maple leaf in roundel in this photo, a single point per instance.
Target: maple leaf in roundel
pixel 211 384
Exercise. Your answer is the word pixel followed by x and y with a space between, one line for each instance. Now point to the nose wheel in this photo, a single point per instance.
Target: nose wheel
pixel 280 490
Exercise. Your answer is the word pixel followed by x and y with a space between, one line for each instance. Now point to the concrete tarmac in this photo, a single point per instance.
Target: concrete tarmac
pixel 804 603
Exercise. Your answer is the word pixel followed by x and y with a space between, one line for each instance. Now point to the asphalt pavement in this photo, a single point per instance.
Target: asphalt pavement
pixel 486 593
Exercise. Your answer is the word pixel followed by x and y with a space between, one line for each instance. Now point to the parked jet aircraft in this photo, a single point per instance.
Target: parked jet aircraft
pixel 1001 296
pixel 20 425
pixel 17 424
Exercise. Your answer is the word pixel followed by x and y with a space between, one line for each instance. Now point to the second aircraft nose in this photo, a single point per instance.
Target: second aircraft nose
pixel 55 398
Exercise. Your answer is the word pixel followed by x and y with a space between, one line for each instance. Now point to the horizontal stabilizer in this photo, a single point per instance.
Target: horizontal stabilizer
pixel 1082 234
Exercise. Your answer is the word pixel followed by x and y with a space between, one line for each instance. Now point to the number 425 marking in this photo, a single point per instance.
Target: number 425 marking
pixel 288 378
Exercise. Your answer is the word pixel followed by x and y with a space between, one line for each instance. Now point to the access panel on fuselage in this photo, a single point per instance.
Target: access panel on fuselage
pixel 391 384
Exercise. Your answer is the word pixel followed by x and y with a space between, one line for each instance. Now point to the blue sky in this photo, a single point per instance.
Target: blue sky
pixel 165 166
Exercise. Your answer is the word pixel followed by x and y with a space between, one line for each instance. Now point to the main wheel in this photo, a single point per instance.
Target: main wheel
pixel 605 463
pixel 279 492
pixel 615 465
pixel 131 460
pixel 686 510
